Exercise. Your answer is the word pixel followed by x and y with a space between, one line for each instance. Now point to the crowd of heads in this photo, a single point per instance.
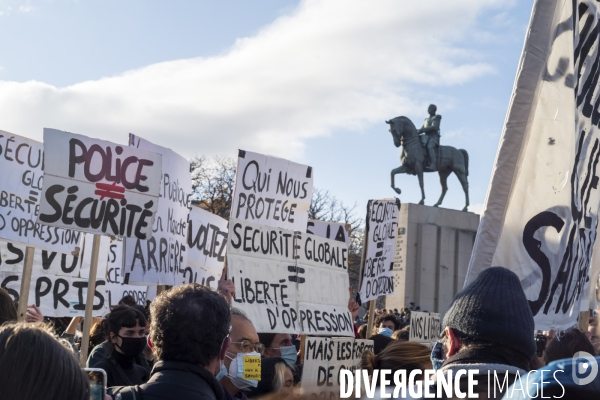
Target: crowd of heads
pixel 489 326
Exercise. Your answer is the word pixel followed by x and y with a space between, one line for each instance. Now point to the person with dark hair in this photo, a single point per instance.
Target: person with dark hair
pixel 279 345
pixel 276 379
pixel 189 331
pixel 8 309
pixel 34 365
pixel 386 325
pixel 396 356
pixel 564 344
pixel 126 328
pixel 127 301
pixel 489 328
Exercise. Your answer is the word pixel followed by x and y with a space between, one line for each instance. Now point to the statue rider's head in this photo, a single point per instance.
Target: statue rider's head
pixel 432 109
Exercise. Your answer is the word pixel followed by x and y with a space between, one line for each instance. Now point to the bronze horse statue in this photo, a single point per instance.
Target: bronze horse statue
pixel 414 158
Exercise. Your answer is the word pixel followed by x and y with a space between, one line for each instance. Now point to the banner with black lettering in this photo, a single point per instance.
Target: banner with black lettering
pixel 116 288
pixel 380 234
pixel 324 358
pixel 540 217
pixel 97 186
pixel 424 327
pixel 161 258
pixel 207 244
pixel 272 191
pixel 22 166
pixel 329 230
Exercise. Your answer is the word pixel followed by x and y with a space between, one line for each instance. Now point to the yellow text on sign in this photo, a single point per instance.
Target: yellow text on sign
pixel 252 368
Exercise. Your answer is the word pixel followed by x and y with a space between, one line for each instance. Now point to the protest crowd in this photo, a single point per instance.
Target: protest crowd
pixel 190 343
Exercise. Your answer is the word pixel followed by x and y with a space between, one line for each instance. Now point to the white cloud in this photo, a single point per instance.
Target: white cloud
pixel 27 8
pixel 327 65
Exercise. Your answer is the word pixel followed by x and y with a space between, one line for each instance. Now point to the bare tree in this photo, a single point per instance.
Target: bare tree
pixel 213 182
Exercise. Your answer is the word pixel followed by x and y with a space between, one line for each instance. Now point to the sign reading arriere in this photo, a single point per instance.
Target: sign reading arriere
pixel 99 187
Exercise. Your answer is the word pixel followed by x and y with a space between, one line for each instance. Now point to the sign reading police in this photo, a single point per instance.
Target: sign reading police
pixel 99 187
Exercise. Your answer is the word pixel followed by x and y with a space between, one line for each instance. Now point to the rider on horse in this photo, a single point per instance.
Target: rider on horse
pixel 431 139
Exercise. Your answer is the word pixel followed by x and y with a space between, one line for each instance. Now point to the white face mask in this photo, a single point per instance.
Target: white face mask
pixel 236 371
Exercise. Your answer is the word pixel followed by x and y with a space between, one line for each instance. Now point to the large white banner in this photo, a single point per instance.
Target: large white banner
pixel 97 186
pixel 272 191
pixel 324 358
pixel 21 180
pixel 541 213
pixel 207 244
pixel 160 259
pixel 381 230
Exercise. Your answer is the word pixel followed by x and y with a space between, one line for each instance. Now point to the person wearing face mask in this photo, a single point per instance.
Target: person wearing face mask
pixel 245 348
pixel 189 333
pixel 126 339
pixel 279 345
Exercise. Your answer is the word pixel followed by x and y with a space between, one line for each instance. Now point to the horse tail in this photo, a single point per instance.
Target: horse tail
pixel 466 157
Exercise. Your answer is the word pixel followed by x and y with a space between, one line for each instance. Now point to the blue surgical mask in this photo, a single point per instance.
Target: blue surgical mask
pixel 289 354
pixel 385 332
pixel 436 356
pixel 222 373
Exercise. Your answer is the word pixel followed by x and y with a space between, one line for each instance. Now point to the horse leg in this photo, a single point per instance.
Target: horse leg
pixel 443 180
pixel 396 171
pixel 465 185
pixel 420 175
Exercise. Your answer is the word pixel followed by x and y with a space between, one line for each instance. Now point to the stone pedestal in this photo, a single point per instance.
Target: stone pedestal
pixel 433 250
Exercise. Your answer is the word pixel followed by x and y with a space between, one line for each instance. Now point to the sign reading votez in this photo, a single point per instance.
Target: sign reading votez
pixel 207 244
pixel 98 187
pixel 382 224
pixel 424 327
pixel 159 259
pixel 272 191
pixel 324 358
pixel 21 180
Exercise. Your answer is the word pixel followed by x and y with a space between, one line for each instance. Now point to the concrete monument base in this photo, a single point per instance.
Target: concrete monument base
pixel 433 250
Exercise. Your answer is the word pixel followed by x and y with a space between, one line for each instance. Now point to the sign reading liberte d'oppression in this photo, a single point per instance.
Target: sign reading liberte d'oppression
pixel 381 230
pixel 98 187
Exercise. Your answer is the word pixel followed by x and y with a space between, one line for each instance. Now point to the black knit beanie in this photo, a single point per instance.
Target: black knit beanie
pixel 494 308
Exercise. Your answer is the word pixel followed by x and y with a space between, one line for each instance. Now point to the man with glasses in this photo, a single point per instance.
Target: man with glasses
pixel 245 348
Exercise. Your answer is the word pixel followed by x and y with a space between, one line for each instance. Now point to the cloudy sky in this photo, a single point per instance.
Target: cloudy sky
pixel 312 81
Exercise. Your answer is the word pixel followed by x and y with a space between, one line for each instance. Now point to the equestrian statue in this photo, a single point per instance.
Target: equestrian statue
pixel 421 152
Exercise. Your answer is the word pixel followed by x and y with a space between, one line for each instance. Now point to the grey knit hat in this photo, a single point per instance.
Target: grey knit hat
pixel 494 308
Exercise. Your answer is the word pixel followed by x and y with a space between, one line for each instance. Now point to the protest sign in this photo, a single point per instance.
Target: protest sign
pixel 85 256
pixel 116 289
pixel 55 284
pixel 272 191
pixel 330 230
pixel 207 244
pixel 22 164
pixel 260 262
pixel 160 258
pixel 424 327
pixel 322 283
pixel 97 186
pixel 540 218
pixel 289 283
pixel 324 358
pixel 380 242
